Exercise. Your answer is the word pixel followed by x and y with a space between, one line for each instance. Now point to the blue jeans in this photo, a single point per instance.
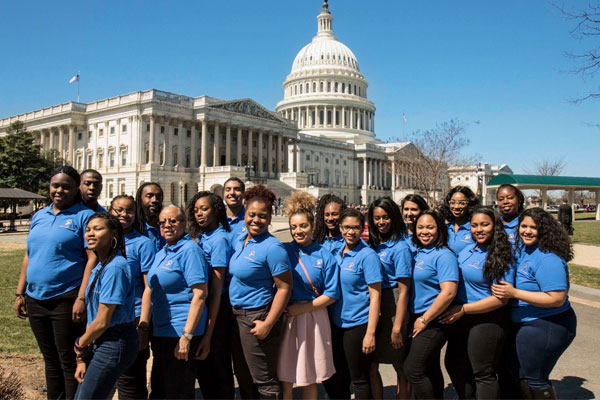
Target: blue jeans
pixel 540 343
pixel 113 353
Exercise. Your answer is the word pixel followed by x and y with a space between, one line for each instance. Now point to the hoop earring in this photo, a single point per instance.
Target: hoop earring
pixel 114 243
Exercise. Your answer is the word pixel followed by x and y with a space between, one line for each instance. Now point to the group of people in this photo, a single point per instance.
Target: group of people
pixel 212 293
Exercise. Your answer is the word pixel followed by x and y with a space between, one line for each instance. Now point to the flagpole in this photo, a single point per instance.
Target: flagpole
pixel 78 80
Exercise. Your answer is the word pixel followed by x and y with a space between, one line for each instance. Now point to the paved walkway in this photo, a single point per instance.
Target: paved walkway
pixel 586 254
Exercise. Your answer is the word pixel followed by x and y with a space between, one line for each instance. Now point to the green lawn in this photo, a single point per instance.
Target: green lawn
pixel 585 215
pixel 585 276
pixel 15 334
pixel 586 232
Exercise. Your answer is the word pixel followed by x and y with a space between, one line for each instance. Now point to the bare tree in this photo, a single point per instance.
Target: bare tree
pixel 547 167
pixel 587 28
pixel 433 150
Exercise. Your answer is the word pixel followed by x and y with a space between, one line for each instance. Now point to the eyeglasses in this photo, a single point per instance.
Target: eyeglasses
pixel 461 203
pixel 172 221
pixel 348 228
pixel 124 211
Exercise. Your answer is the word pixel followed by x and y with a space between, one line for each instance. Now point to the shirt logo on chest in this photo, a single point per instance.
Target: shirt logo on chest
pixel 250 255
pixel 167 265
pixel 350 267
pixel 418 265
pixel 68 224
pixel 382 254
pixel 467 238
pixel 475 264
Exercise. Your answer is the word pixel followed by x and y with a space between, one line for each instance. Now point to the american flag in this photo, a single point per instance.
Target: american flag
pixel 403 116
pixel 75 78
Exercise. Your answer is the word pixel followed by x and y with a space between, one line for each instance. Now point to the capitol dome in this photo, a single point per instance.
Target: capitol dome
pixel 325 92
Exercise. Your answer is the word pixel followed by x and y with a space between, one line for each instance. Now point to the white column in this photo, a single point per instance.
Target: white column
pixel 250 147
pixel 343 117
pixel 294 157
pixel 572 202
pixel 597 205
pixel 259 157
pixel 278 153
pixel 334 117
pixel 270 153
pixel 298 157
pixel 61 132
pixel 167 145
pixel 150 140
pixel 216 147
pixel 204 143
pixel 193 160
pixel 239 145
pixel 180 145
pixel 393 175
pixel 365 174
pixel 228 145
pixel 351 118
pixel 544 198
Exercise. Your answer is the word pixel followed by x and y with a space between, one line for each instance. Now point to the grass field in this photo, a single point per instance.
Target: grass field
pixel 15 334
pixel 586 232
pixel 585 276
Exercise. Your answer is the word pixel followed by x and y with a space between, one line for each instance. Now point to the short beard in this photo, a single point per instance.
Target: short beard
pixel 151 215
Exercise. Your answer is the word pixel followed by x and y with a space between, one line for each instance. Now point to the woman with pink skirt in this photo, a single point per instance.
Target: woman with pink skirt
pixel 306 357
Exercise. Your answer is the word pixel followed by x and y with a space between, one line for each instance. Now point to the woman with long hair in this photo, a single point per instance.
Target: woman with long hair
pixel 208 226
pixel 510 204
pixel 306 356
pixel 457 209
pixel 412 206
pixel 260 287
pixel 140 257
pixel 478 319
pixel 54 275
pixel 355 315
pixel 433 287
pixel 110 298
pixel 545 322
pixel 177 288
pixel 327 228
pixel 387 237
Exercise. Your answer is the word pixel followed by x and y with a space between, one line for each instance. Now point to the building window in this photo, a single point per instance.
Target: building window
pixel 314 86
pixel 326 160
pixel 123 128
pixel 337 162
pixel 343 87
pixel 122 188
pixel 307 87
pixel 78 163
pixel 176 132
pixel 147 127
pixel 308 157
pixel 344 162
pixel 336 87
pixel 89 160
pixel 174 152
pixel 100 160
pixel 100 132
pixel 321 87
pixel 187 157
pixel 123 157
pixel 89 134
pixel 111 191
pixel 147 152
pixel 112 130
pixel 316 158
pixel 189 133
pixel 162 154
pixel 173 192
pixel 329 86
pixel 162 129
pixel 79 136
pixel 111 159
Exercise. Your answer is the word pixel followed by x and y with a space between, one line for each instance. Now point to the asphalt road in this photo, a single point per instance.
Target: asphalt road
pixel 577 374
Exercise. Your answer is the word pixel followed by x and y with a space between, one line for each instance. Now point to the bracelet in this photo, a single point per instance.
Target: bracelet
pixel 463 309
pixel 81 299
pixel 143 327
pixel 423 320
pixel 21 295
pixel 79 348
pixel 79 360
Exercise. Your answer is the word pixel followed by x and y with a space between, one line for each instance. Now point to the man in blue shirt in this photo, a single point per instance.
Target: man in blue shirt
pixel 90 188
pixel 233 194
pixel 148 199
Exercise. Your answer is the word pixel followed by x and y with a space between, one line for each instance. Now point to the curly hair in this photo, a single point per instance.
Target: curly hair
pixel 301 203
pixel 499 250
pixel 261 192
pixel 398 227
pixel 321 230
pixel 140 213
pixel 444 209
pixel 517 192
pixel 552 238
pixel 216 203
pixel 135 224
pixel 115 227
pixel 442 240
pixel 352 213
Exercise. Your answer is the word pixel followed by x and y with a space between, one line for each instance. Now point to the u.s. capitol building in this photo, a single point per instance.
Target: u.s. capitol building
pixel 320 139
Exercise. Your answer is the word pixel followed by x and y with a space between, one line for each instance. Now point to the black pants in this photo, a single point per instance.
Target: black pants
pixel 214 373
pixel 358 363
pixel 261 355
pixel 132 383
pixel 338 386
pixel 422 364
pixel 475 345
pixel 172 378
pixel 53 327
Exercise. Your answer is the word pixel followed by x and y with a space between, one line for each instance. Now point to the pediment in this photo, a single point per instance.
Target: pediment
pixel 247 107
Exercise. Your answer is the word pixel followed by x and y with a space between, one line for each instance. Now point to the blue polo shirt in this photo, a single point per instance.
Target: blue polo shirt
pixel 512 230
pixel 153 234
pixel 252 268
pixel 113 286
pixel 432 267
pixel 321 268
pixel 359 268
pixel 461 238
pixel 409 241
pixel 217 250
pixel 539 272
pixel 100 209
pixel 238 226
pixel 140 257
pixel 334 245
pixel 396 260
pixel 56 251
pixel 473 285
pixel 175 270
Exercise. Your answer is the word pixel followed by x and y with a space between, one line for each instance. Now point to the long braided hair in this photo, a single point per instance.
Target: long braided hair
pixel 321 230
pixel 113 224
pixel 140 213
pixel 216 202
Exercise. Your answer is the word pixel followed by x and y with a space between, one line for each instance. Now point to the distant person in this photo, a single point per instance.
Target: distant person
pixel 54 276
pixel 544 321
pixel 148 200
pixel 90 188
pixel 233 194
pixel 456 209
pixel 565 216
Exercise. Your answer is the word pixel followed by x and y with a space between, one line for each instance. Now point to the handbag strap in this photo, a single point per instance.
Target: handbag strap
pixel 305 271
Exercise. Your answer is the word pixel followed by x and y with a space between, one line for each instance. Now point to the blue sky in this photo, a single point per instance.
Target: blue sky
pixel 500 63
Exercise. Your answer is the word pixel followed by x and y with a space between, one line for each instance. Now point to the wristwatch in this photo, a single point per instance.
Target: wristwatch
pixel 188 336
pixel 423 320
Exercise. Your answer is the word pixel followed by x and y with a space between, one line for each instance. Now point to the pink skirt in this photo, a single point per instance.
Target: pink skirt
pixel 306 356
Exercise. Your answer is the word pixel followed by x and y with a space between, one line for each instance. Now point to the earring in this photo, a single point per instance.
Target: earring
pixel 114 243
